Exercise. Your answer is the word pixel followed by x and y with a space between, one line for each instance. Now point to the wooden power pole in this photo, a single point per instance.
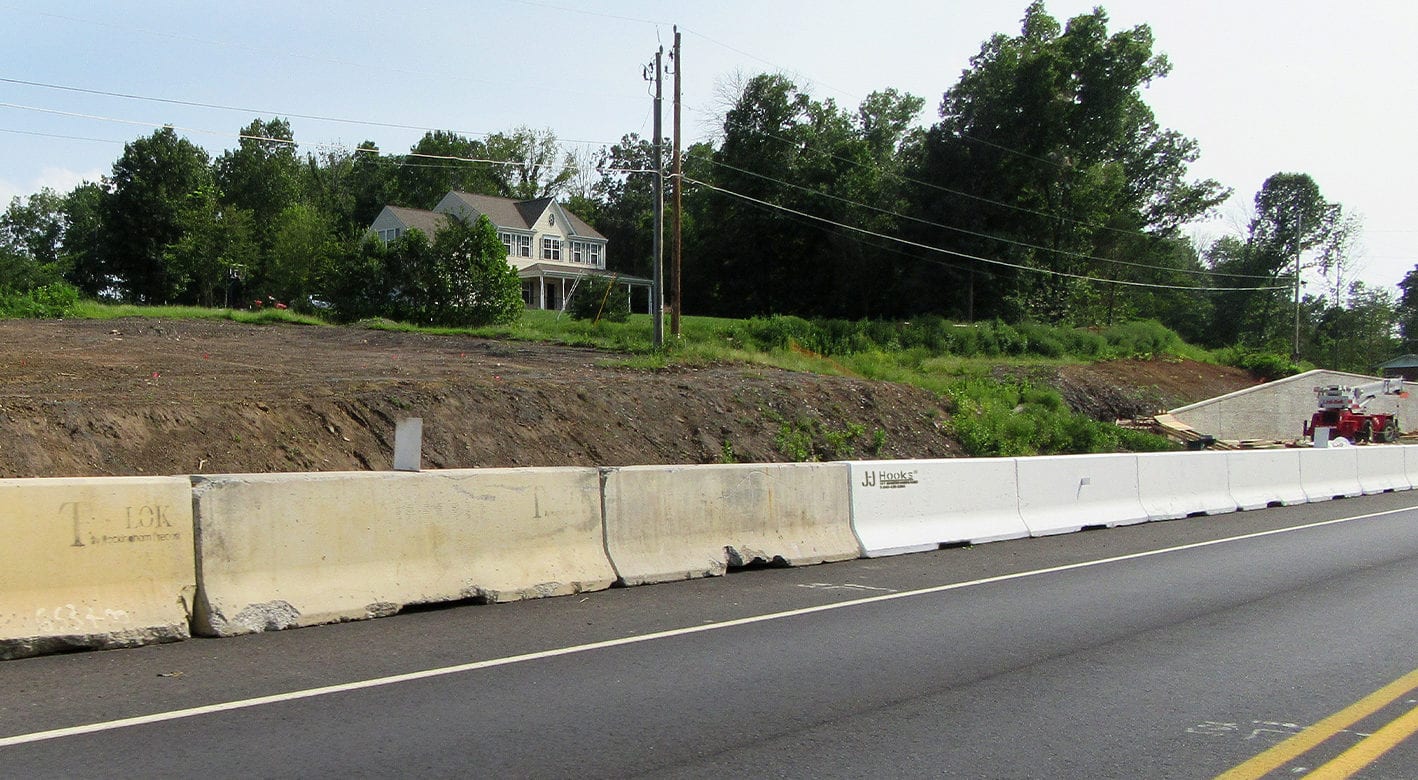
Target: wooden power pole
pixel 679 202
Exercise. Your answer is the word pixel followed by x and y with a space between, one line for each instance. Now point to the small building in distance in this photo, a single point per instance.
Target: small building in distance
pixel 1405 366
pixel 551 248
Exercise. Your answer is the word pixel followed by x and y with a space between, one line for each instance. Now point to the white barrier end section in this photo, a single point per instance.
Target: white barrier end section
pixel 1382 468
pixel 283 550
pixel 681 522
pixel 1329 473
pixel 1181 484
pixel 1065 493
pixel 1260 478
pixel 905 506
pixel 94 563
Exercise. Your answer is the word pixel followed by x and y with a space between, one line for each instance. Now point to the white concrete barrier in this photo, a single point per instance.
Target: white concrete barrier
pixel 1331 472
pixel 903 506
pixel 1382 468
pixel 1260 478
pixel 680 522
pixel 94 563
pixel 1181 484
pixel 1065 493
pixel 283 550
pixel 1410 463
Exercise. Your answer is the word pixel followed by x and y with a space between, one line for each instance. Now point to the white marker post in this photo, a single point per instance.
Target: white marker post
pixel 408 444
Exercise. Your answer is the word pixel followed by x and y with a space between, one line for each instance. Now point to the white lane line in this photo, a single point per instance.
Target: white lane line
pixel 490 663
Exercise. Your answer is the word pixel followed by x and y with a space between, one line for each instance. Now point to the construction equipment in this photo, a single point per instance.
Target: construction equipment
pixel 1341 410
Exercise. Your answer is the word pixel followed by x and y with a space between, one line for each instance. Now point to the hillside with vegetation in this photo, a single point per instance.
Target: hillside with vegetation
pixel 973 255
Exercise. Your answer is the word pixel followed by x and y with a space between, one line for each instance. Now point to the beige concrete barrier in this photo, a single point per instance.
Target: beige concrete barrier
pixel 94 563
pixel 680 522
pixel 282 550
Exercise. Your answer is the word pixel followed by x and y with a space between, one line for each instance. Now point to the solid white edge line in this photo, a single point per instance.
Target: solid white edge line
pixel 70 731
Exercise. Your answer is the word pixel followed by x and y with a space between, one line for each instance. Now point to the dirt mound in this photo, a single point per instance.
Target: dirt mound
pixel 147 396
pixel 144 396
pixel 1127 389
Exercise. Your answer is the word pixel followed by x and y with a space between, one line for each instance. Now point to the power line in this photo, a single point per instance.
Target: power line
pixel 967 256
pixel 934 186
pixel 974 233
pixel 263 112
pixel 267 139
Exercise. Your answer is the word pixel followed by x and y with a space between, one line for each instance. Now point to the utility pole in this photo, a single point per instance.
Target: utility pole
pixel 1299 218
pixel 657 283
pixel 677 302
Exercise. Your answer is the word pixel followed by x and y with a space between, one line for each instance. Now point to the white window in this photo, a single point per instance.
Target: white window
pixel 576 251
pixel 507 240
pixel 551 248
pixel 595 255
pixel 524 246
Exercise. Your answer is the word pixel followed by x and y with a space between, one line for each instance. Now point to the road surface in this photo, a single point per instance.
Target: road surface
pixel 1181 649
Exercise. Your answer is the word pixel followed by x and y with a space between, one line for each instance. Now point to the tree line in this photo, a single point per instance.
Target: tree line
pixel 1045 190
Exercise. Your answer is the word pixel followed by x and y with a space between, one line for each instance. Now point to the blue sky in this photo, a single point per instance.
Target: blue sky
pixel 1264 85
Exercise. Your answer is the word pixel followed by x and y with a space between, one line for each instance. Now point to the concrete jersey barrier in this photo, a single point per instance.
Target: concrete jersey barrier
pixel 1062 494
pixel 904 506
pixel 680 522
pixel 1382 468
pixel 94 563
pixel 1328 473
pixel 1181 484
pixel 282 550
pixel 1260 478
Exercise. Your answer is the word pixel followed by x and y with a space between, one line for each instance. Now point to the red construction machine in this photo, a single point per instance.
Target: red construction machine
pixel 1342 412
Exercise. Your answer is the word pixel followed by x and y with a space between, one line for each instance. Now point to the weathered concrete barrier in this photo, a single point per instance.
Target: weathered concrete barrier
pixel 1382 468
pixel 680 522
pixel 1329 473
pixel 1260 478
pixel 1065 493
pixel 282 550
pixel 904 506
pixel 1181 484
pixel 94 563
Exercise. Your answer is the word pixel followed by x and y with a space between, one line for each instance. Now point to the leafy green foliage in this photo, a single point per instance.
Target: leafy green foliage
pixel 142 214
pixel 1011 419
pixel 57 299
pixel 598 298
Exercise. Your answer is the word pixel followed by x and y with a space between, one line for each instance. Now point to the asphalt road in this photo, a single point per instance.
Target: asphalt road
pixel 1179 649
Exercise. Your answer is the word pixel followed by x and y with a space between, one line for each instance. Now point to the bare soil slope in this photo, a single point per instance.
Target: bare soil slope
pixel 147 396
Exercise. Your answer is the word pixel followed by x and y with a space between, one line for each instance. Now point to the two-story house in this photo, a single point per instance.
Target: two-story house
pixel 551 248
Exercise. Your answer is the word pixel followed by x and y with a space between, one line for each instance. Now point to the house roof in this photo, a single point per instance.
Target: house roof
pixel 1402 361
pixel 427 221
pixel 520 214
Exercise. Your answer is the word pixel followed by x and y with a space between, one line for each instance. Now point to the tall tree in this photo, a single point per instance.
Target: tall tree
pixel 1046 147
pixel 31 229
pixel 151 182
pixel 443 161
pixel 214 247
pixel 1291 218
pixel 534 167
pixel 262 175
pixel 84 253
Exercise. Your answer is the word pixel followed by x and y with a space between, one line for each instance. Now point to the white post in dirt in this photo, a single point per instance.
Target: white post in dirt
pixel 408 444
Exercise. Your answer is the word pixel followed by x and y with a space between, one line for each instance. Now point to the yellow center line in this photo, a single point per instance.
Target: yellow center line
pixel 1369 750
pixel 1285 752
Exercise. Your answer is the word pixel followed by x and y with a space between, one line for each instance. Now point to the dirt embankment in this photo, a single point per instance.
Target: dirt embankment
pixel 144 396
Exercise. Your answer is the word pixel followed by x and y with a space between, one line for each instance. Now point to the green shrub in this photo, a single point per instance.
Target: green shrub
pixel 597 298
pixel 58 299
pixel 1266 365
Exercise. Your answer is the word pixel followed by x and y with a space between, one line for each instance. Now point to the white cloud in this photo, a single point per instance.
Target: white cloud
pixel 60 180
